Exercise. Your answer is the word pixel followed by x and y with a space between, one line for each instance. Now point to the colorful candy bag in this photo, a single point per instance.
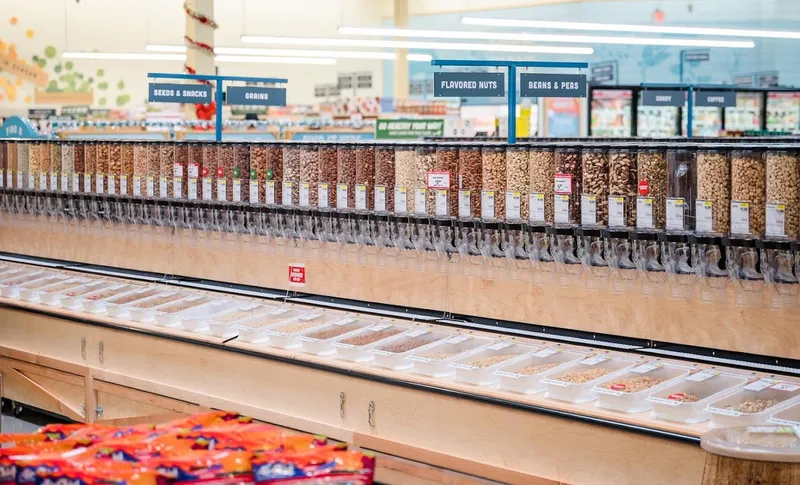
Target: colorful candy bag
pixel 327 465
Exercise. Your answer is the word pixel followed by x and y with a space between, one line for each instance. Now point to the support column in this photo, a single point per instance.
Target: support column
pixel 401 63
pixel 199 59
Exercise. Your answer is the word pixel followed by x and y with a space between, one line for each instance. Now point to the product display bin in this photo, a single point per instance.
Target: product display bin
pixel 541 170
pixel 442 183
pixel 783 193
pixel 284 334
pixel 576 382
pixel 567 183
pixel 748 191
pixel 713 204
pixel 525 376
pixel 392 353
pixel 623 188
pixel 493 183
pixel 384 178
pixel 681 190
pixel 627 392
pixel 517 200
pixel 70 298
pixel 142 310
pixel 252 329
pixel 175 313
pixel 94 302
pixel 326 176
pixel 651 167
pixel 365 178
pixel 356 347
pixel 685 401
pixel 752 404
pixel 30 290
pixel 469 181
pixel 227 324
pixel 478 367
pixel 290 195
pixel 119 306
pixel 346 177
pixel 63 283
pixel 404 179
pixel 434 360
pixel 318 340
pixel 789 416
pixel 240 191
pixel 595 187
pixel 10 287
pixel 425 161
pixel 309 176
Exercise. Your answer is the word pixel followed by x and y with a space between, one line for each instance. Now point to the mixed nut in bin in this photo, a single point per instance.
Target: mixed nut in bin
pixel 568 186
pixel 651 165
pixel 542 169
pixel 517 183
pixel 714 187
pixel 594 171
pixel 748 191
pixel 470 173
pixel 493 182
pixel 623 183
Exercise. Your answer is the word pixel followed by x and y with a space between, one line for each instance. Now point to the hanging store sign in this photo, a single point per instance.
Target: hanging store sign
pixel 663 98
pixel 603 73
pixel 697 56
pixel 179 93
pixel 552 85
pixel 408 129
pixel 768 80
pixel 469 85
pixel 253 95
pixel 743 80
pixel 720 99
pixel 41 113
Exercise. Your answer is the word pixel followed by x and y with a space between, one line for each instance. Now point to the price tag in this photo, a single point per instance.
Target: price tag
pixel 702 375
pixel 177 170
pixel 442 207
pixel 644 213
pixel 487 204
pixel 193 298
pixel 785 422
pixel 2 178
pixel 31 181
pixel 53 180
pixel 342 345
pixel 776 219
pixel 667 401
pixel 286 194
pixel 379 326
pixel 207 186
pixel 503 373
pixel 760 385
pixel 162 186
pixel 458 339
pixel 308 317
pixel 461 366
pixel 704 213
pixel 536 202
pixel 222 189
pixel 341 196
pixel 380 198
pixel 740 217
pixel 305 188
pixel 595 359
pixel 112 184
pixel 177 187
pixel 99 183
pixel 250 307
pixel 438 180
pixel 563 183
pixel 43 180
pixel 64 181
pixel 724 412
pixel 561 209
pixel 344 321
pixel 513 205
pixel 547 352
pixel 20 178
pixel 417 358
pixel 675 210
pixel 123 185
pixel 500 345
pixel 76 182
pixel 269 192
pixel 322 196
pixel 361 197
pixel 194 170
pixel 464 204
pixel 420 201
pixel 616 211
pixel 608 392
pixel 785 386
pixel 400 200
pixel 10 178
pixel 771 429
pixel 254 191
pixel 588 210
pixel 278 311
pixel 417 333
pixel 150 183
pixel 554 382
pixel 192 191
pixel 645 368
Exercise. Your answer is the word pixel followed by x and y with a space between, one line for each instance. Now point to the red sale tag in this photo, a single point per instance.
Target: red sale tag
pixel 644 188
pixel 297 274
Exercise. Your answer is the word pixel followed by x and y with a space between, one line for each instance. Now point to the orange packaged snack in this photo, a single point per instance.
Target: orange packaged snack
pixel 331 465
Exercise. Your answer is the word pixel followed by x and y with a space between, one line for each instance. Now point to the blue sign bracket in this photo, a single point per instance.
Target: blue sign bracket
pixel 218 82
pixel 512 79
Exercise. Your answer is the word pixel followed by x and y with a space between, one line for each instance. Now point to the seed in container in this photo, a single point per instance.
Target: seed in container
pixel 582 376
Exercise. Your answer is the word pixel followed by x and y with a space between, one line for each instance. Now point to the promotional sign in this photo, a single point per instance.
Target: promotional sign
pixel 663 98
pixel 604 72
pixel 697 56
pixel 720 99
pixel 552 85
pixel 297 274
pixel 179 93
pixel 255 95
pixel 16 127
pixel 41 113
pixel 768 79
pixel 469 84
pixel 405 128
pixel 743 80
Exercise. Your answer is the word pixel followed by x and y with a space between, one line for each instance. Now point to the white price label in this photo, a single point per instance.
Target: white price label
pixel 112 184
pixel 286 194
pixel 547 352
pixel 500 345
pixel 588 210
pixel 400 200
pixel 123 184
pixel 703 214
pixel 361 197
pixel 207 185
pixel 464 203
pixel 76 182
pixel 554 382
pixel 536 201
pixel 20 178
pixel 194 170
pixel 420 201
pixel 670 402
pixel 438 180
pixel 785 386
pixel 344 321
pixel 249 307
pixel 417 333
pixel 595 359
pixel 253 191
pixel 379 326
pixel 503 373
pixel 341 196
pixel 608 392
pixel 702 375
pixel 31 180
pixel 150 183
pixel 563 183
pixel 305 189
pixel 64 181
pixel 645 368
pixel 760 385
pixel 308 317
pixel 776 219
pixel 192 190
pixel 616 211
pixel 99 185
pixel 513 205
pixel 177 187
pixel 269 192
pixel 322 196
pixel 724 412
pixel 561 209
pixel 417 358
pixel 740 217
pixel 278 311
pixel 675 210
pixel 177 170
pixel 441 207
pixel 644 213
pixel 487 204
pixel 457 339
pixel 53 181
pixel 380 198
pixel 162 187
pixel 2 178
pixel 461 366
pixel 222 189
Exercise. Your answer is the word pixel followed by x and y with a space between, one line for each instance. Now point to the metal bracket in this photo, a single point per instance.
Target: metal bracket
pixel 371 414
pixel 83 348
pixel 100 348
pixel 341 405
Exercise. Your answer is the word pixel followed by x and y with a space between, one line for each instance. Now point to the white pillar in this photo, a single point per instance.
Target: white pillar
pixel 401 63
pixel 202 62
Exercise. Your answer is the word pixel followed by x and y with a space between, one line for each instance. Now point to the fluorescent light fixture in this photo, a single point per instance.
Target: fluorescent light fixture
pixel 525 37
pixel 388 56
pixel 419 57
pixel 396 44
pixel 124 56
pixel 320 61
pixel 649 29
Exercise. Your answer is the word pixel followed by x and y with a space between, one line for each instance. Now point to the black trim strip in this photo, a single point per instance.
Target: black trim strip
pixel 380 379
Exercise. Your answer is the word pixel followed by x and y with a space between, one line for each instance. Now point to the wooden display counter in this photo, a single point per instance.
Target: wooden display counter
pixel 394 279
pixel 121 372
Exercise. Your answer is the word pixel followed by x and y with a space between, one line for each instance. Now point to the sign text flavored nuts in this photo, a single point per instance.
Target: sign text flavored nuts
pixel 722 99
pixel 252 95
pixel 663 98
pixel 552 85
pixel 469 84
pixel 179 93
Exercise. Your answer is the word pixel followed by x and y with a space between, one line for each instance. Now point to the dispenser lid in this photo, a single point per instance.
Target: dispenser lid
pixel 762 443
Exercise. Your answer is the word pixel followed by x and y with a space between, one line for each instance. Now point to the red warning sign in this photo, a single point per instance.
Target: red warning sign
pixel 297 274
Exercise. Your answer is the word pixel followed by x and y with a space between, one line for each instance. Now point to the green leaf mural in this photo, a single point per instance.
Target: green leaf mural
pixel 102 101
pixel 121 85
pixel 100 73
pixel 57 68
pixel 50 52
pixel 102 86
pixel 123 99
pixel 68 66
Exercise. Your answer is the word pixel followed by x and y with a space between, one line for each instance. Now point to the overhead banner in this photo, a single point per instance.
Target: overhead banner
pixel 254 95
pixel 697 56
pixel 179 93
pixel 552 85
pixel 405 128
pixel 663 98
pixel 720 99
pixel 469 84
